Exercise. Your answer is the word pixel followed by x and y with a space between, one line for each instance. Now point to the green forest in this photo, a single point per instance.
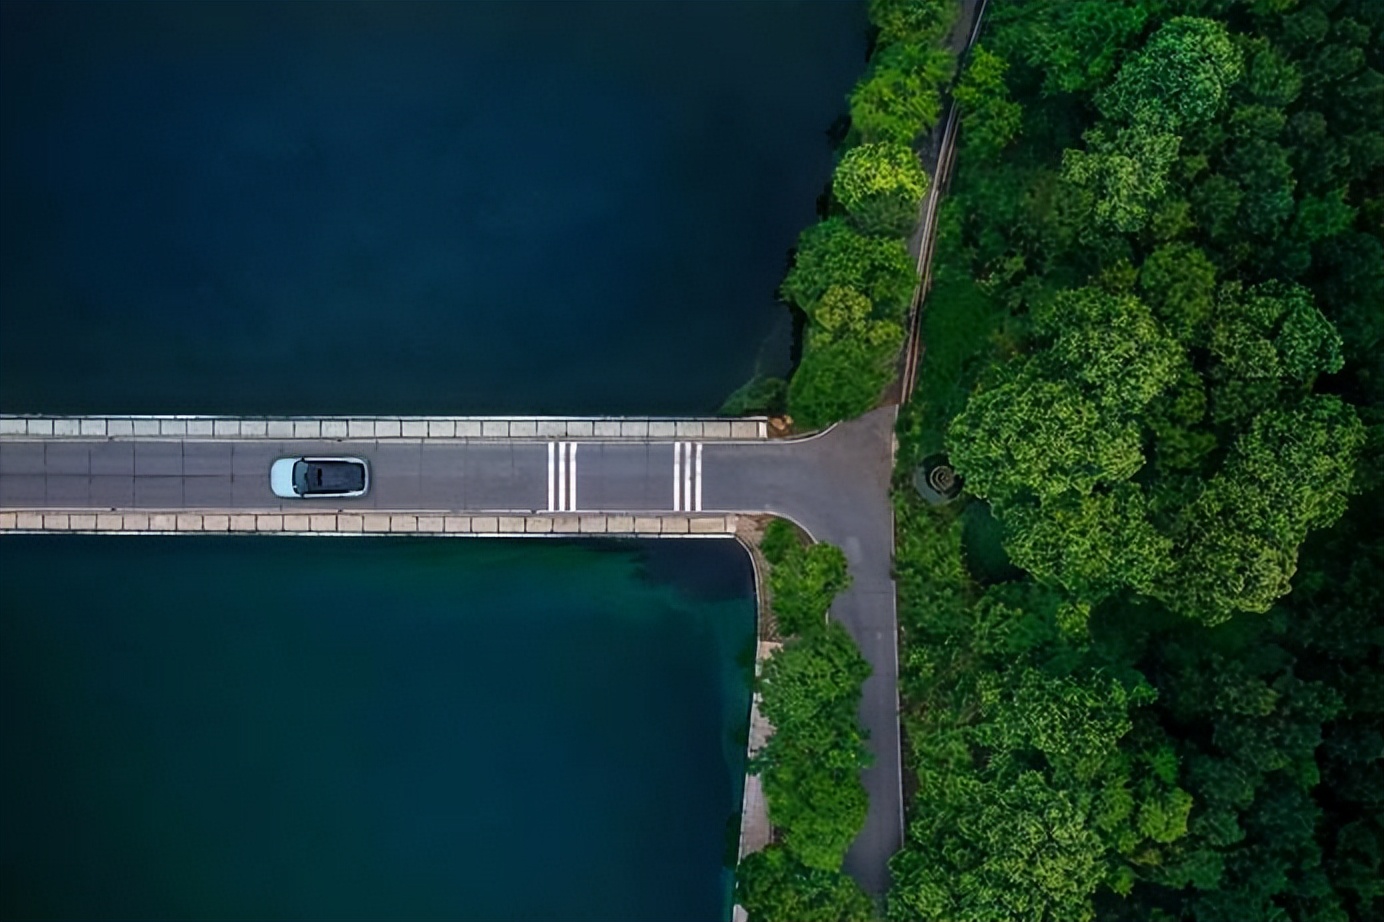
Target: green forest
pixel 1141 654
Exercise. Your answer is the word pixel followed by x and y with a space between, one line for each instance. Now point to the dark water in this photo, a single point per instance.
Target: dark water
pixel 412 208
pixel 239 728
pixel 407 208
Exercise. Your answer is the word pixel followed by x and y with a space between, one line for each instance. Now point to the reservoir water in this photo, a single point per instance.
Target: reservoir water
pixel 459 208
pixel 263 728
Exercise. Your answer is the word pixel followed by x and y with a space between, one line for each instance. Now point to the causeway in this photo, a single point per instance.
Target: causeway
pixel 454 476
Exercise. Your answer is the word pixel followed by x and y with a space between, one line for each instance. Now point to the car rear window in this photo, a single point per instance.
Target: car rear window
pixel 328 477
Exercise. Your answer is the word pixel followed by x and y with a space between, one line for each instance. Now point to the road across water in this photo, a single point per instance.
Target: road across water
pixel 835 485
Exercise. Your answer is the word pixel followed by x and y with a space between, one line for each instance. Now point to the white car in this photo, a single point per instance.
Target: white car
pixel 310 478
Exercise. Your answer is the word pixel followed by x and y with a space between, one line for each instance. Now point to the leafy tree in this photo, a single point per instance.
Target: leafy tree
pixel 803 582
pixel 849 357
pixel 1111 344
pixel 989 117
pixel 1216 202
pixel 1021 849
pixel 810 690
pixel 1036 436
pixel 832 253
pixel 1182 76
pixel 1322 216
pixel 1288 474
pixel 881 186
pixel 1074 44
pixel 1319 158
pixel 843 313
pixel 1253 122
pixel 780 541
pixel 1091 545
pixel 900 96
pixel 1179 283
pixel 1075 721
pixel 1271 342
pixel 1178 422
pixel 1270 77
pixel 935 589
pixel 811 687
pixel 914 21
pixel 774 887
pixel 1300 462
pixel 1262 169
pixel 818 810
pixel 1351 283
pixel 1123 173
pixel 844 369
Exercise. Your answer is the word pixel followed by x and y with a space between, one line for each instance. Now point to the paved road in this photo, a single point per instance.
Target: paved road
pixel 835 485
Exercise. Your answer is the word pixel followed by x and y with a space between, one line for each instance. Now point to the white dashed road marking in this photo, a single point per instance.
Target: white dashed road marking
pixel 562 476
pixel 687 476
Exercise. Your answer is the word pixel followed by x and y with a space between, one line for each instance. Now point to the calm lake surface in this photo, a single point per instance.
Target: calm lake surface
pixel 464 208
pixel 243 727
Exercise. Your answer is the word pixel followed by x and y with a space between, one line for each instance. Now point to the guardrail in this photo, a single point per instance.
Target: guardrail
pixel 383 427
pixel 240 521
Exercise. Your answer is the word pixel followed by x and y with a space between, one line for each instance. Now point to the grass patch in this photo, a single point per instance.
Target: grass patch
pixel 959 320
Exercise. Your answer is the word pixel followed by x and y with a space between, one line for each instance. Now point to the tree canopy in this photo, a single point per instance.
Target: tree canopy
pixel 880 186
pixel 1140 657
pixel 833 254
pixel 809 691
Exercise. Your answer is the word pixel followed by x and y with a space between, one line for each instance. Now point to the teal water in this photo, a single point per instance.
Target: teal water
pixel 407 728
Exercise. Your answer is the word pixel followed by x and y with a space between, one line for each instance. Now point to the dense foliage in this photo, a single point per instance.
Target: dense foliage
pixel 809 690
pixel 1153 354
pixel 774 885
pixel 880 186
pixel 856 260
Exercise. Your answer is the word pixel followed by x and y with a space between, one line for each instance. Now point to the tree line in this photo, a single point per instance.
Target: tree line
pixel 809 690
pixel 1141 657
pixel 852 278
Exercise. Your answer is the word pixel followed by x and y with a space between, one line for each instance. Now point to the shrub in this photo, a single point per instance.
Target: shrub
pixel 880 186
pixel 832 253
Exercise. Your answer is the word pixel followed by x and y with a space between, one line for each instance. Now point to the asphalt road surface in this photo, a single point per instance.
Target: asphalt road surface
pixel 836 485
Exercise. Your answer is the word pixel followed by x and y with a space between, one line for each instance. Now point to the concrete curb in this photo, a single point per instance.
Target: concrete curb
pixel 382 427
pixel 240 521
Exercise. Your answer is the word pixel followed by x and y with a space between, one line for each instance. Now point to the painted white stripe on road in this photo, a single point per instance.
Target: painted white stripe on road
pixel 677 476
pixel 572 493
pixel 697 499
pixel 562 475
pixel 687 477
